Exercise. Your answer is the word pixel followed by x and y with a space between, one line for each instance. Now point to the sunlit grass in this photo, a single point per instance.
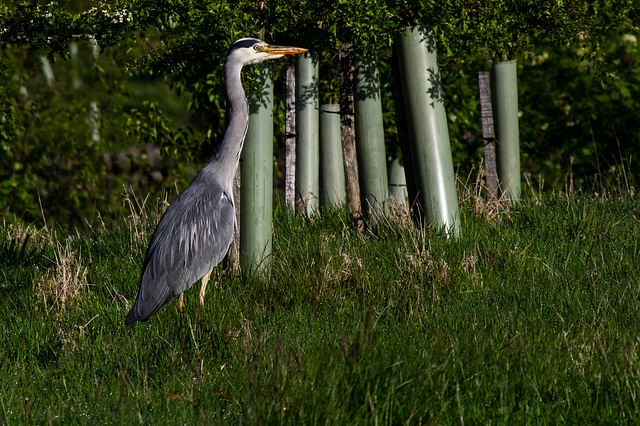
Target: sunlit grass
pixel 531 316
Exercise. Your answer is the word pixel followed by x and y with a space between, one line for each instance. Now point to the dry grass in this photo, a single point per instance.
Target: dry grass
pixel 138 218
pixel 398 215
pixel 142 219
pixel 62 286
pixel 474 193
pixel 20 232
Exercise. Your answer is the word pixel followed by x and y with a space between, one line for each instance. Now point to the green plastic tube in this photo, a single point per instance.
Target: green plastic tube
pixel 428 131
pixel 505 111
pixel 332 180
pixel 372 161
pixel 257 181
pixel 307 133
pixel 398 184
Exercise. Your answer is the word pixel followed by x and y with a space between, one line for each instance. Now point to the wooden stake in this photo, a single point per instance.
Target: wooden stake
pixel 290 138
pixel 488 134
pixel 348 132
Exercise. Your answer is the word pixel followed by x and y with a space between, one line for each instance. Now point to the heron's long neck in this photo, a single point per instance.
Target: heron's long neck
pixel 229 153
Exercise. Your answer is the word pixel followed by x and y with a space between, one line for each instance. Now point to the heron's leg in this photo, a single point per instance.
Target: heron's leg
pixel 204 281
pixel 181 302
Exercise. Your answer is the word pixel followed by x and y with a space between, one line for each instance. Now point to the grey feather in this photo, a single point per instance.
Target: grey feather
pixel 196 231
pixel 192 237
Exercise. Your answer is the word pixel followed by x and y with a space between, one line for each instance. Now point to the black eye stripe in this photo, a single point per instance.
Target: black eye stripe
pixel 245 43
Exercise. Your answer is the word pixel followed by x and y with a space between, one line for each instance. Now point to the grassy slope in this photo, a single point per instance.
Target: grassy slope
pixel 531 316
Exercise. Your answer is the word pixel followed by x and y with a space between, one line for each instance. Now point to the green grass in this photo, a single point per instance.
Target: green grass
pixel 531 317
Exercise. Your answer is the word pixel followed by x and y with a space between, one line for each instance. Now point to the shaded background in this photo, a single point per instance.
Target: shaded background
pixel 100 99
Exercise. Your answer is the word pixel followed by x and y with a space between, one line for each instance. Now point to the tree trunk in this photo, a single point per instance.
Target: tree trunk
pixel 290 138
pixel 348 132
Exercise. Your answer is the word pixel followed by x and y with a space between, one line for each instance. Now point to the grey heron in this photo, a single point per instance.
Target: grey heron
pixel 195 232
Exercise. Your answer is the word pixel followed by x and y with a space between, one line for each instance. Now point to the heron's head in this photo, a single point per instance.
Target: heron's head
pixel 251 51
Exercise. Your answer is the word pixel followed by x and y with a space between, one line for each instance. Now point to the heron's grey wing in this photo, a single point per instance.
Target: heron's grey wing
pixel 192 237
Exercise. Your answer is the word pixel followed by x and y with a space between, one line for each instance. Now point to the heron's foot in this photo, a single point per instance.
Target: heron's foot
pixel 203 288
pixel 181 302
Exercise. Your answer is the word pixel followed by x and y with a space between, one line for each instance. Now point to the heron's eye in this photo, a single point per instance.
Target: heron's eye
pixel 256 47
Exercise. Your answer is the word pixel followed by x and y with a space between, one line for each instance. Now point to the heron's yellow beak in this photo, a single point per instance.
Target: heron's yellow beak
pixel 283 50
